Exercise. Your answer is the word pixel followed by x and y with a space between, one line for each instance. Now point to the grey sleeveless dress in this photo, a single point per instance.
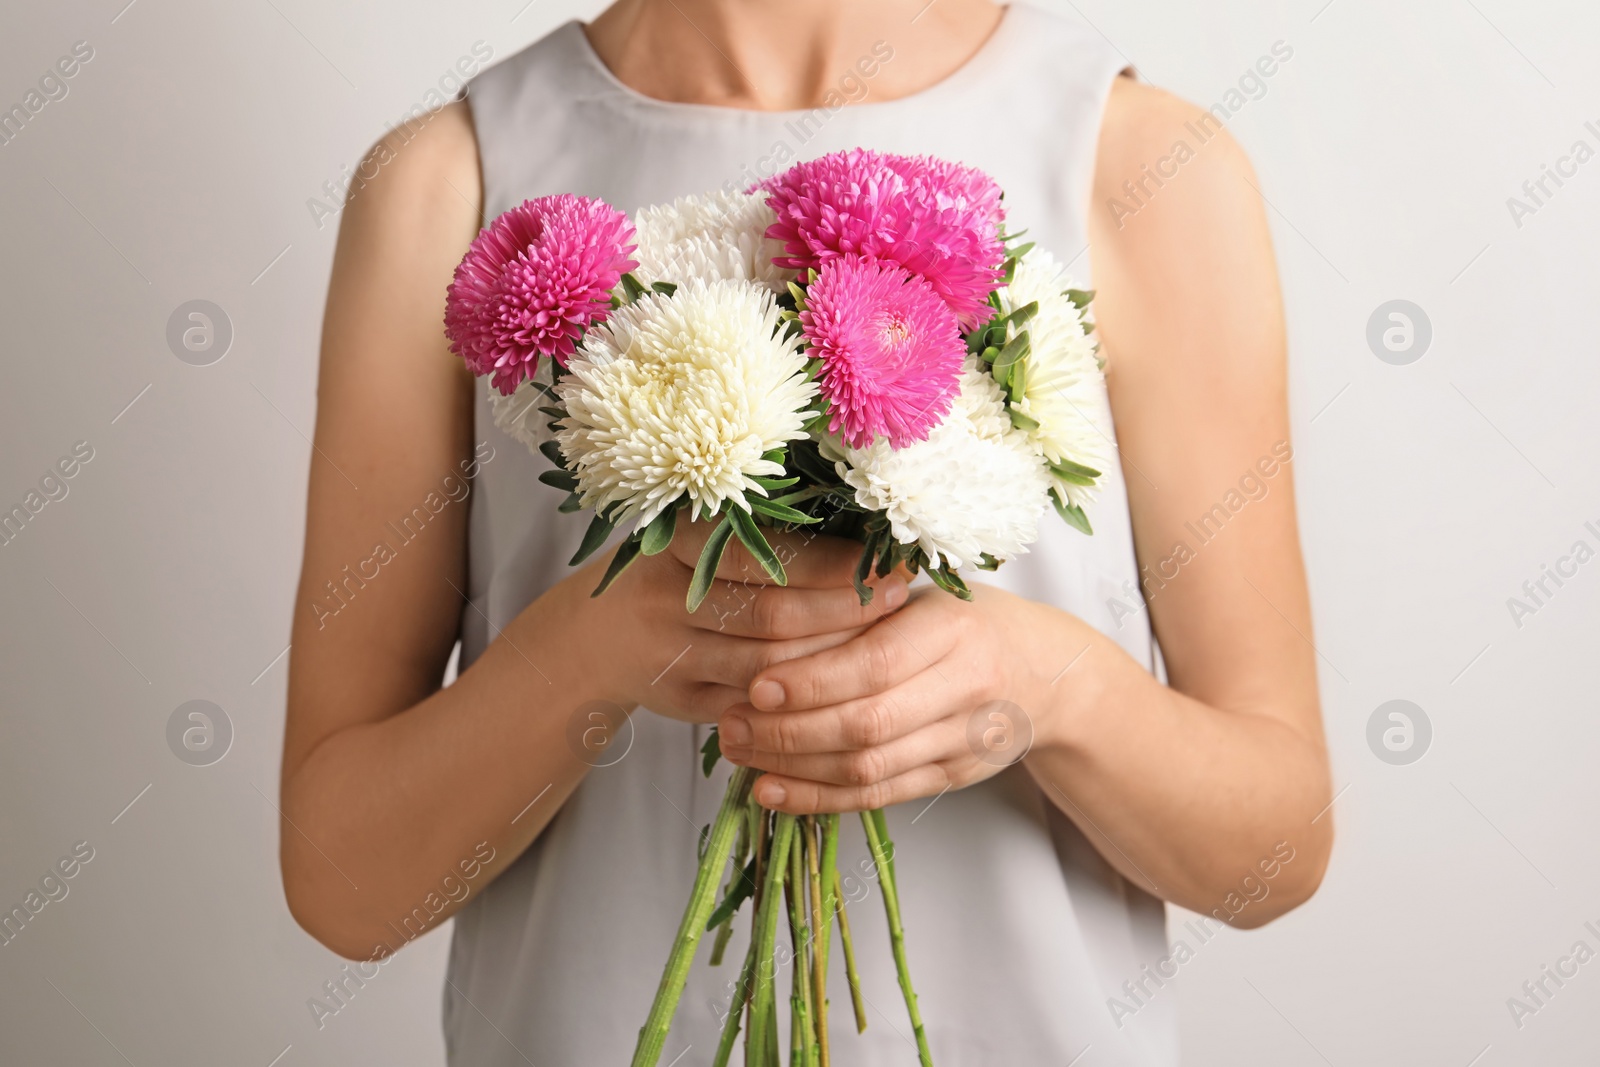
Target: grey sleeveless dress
pixel 1018 931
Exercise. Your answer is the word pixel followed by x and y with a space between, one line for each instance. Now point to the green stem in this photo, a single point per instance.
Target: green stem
pixel 853 978
pixel 878 840
pixel 741 850
pixel 653 1034
pixel 730 1025
pixel 820 929
pixel 763 1014
pixel 805 1038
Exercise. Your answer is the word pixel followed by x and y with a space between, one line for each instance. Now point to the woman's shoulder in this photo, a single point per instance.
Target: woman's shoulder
pixel 1169 161
pixel 429 163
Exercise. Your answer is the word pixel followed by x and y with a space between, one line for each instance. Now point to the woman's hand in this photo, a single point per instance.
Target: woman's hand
pixel 942 694
pixel 693 666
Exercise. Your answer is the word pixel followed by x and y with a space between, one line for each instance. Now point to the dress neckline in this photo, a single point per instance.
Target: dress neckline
pixel 987 56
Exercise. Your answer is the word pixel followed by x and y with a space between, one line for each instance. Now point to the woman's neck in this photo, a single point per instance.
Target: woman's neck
pixel 770 56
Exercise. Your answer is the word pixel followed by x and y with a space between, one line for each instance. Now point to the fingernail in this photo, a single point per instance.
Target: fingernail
pixel 735 733
pixel 895 592
pixel 772 794
pixel 765 694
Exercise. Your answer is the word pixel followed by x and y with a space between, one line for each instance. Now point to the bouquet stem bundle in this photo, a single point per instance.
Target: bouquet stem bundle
pixel 785 865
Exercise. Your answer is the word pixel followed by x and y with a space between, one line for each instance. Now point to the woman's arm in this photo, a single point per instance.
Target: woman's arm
pixel 400 799
pixel 1187 790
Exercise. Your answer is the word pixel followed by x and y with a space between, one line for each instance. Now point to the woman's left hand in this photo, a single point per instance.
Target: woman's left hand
pixel 942 694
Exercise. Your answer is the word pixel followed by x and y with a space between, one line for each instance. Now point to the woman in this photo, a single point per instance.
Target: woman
pixel 1033 891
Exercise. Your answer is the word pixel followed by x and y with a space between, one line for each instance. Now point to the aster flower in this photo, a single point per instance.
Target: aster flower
pixel 1061 393
pixel 939 220
pixel 519 414
pixel 532 282
pixel 715 236
pixel 683 396
pixel 890 348
pixel 975 487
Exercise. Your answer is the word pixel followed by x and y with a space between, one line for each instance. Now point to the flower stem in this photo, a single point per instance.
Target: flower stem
pixel 741 850
pixel 804 1041
pixel 850 974
pixel 820 929
pixel 653 1034
pixel 730 1025
pixel 763 1014
pixel 878 840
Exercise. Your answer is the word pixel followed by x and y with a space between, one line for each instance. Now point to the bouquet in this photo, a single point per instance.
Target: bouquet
pixel 857 346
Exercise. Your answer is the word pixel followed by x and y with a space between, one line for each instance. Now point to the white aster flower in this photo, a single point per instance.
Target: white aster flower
pixel 975 486
pixel 519 415
pixel 1063 389
pixel 715 236
pixel 681 396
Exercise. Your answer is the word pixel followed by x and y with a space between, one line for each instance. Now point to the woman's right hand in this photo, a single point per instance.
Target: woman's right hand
pixel 648 650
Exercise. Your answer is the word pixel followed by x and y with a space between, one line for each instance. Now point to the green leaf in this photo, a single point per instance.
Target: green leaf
pixel 987 562
pixel 554 413
pixel 658 535
pixel 869 550
pixel 552 452
pixel 627 552
pixel 664 288
pixel 1022 249
pixel 631 287
pixel 949 581
pixel 780 512
pixel 710 752
pixel 886 559
pixel 799 296
pixel 1015 349
pixel 749 534
pixel 810 492
pixel 1072 513
pixel 1021 421
pixel 772 485
pixel 1074 473
pixel 811 463
pixel 594 539
pixel 1021 316
pixel 742 889
pixel 574 502
pixel 705 570
pixel 1080 297
pixel 560 479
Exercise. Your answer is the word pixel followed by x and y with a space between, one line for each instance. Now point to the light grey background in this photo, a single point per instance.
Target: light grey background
pixel 179 167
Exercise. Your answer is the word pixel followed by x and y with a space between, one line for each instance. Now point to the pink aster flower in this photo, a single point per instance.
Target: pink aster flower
pixel 939 220
pixel 533 281
pixel 890 347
